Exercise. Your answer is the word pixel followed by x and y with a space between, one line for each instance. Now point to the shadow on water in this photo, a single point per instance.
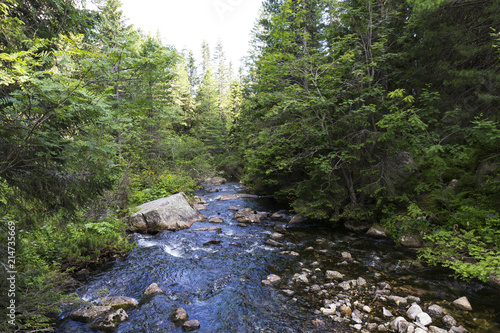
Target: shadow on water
pixel 220 284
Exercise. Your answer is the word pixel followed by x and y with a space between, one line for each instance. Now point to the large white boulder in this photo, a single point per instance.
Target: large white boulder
pixel 171 213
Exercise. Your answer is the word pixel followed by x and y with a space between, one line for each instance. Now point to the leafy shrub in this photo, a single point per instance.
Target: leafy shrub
pixel 150 186
pixel 469 244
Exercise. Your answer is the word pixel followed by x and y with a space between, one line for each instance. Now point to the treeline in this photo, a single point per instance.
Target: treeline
pixel 95 118
pixel 381 111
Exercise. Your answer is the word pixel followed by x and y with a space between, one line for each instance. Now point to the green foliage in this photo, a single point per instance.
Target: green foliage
pixel 414 221
pixel 470 247
pixel 149 186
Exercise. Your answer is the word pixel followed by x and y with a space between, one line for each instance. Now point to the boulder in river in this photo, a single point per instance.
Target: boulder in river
pixel 215 181
pixel 179 315
pixel 248 215
pixel 191 325
pixel 234 196
pixel 118 302
pixel 111 320
pixel 88 314
pixel 171 213
pixel 153 289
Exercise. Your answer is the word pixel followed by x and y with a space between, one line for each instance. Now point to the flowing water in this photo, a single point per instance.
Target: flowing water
pixel 220 284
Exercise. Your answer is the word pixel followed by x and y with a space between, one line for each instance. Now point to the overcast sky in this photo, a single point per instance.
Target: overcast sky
pixel 184 24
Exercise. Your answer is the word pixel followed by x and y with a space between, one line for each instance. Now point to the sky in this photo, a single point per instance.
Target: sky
pixel 184 24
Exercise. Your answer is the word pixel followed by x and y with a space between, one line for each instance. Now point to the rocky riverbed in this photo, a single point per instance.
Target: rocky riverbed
pixel 246 268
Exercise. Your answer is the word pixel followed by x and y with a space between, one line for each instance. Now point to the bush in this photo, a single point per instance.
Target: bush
pixel 469 244
pixel 150 186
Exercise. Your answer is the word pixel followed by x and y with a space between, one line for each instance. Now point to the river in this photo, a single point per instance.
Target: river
pixel 217 277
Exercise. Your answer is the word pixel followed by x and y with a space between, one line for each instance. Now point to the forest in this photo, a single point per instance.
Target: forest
pixel 359 111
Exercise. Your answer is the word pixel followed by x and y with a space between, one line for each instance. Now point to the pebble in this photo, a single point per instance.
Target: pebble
pixel 463 304
pixel 413 311
pixel 424 319
pixel 386 312
pixel 449 321
pixel 334 275
pixel 435 310
pixel 434 329
pixel 191 325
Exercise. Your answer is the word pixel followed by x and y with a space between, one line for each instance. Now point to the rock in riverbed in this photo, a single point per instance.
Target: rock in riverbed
pixel 171 213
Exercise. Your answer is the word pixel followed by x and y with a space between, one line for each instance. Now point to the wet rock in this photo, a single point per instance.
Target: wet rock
pixel 111 320
pixel 424 319
pixel 361 281
pixel 310 248
pixel 367 309
pixel 435 309
pixel 463 304
pixel 280 228
pixel 215 181
pixel 434 329
pixel 331 275
pixel 318 323
pixel 292 253
pixel 300 278
pixel 216 220
pixel 213 242
pixel 273 243
pixel 288 292
pixel 420 330
pixel 411 298
pixel 218 229
pixel 242 225
pixel 413 311
pixel 234 208
pixel 357 226
pixel 459 329
pixel 397 299
pixel 396 322
pixel 247 215
pixel 386 312
pixel 277 235
pixel 88 314
pixel 449 321
pixel 327 311
pixel 371 327
pixel 236 244
pixel 272 280
pixel 152 289
pixel 346 256
pixel 377 232
pixel 191 325
pixel 345 285
pixel 276 216
pixel 297 219
pixel 345 311
pixel 234 196
pixel 410 241
pixel 315 288
pixel 356 316
pixel 199 200
pixel 179 315
pixel 212 190
pixel 118 302
pixel 171 213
